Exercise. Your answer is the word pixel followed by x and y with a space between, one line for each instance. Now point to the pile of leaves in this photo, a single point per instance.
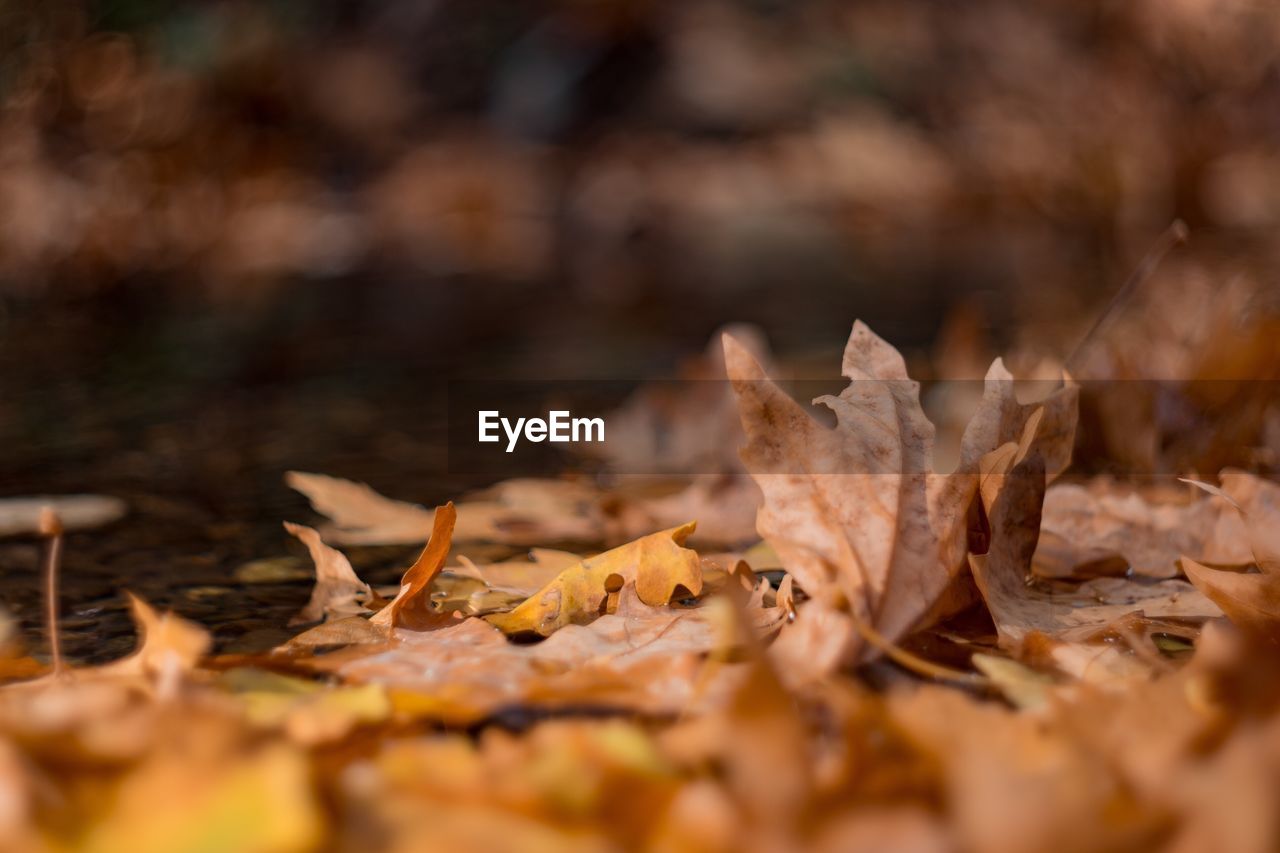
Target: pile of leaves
pixel 982 660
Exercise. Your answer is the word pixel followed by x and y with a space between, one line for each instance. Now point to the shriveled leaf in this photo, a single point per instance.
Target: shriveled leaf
pixel 167 643
pixel 1250 599
pixel 658 564
pixel 338 590
pixel 411 608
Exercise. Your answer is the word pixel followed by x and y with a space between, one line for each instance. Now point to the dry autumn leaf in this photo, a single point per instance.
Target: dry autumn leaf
pixel 470 668
pixel 857 510
pixel 411 608
pixel 1103 529
pixel 1013 491
pixel 516 512
pixel 1250 598
pixel 659 565
pixel 338 590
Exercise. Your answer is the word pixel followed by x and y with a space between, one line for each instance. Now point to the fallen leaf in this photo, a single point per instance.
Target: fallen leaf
pixel 1024 687
pixel 412 608
pixel 360 515
pixel 858 508
pixel 658 564
pixel 523 577
pixel 1251 599
pixel 1086 527
pixel 1068 614
pixel 260 802
pixel 1013 784
pixel 515 512
pixel 640 657
pixel 724 505
pixel 338 591
pixel 167 644
pixel 348 631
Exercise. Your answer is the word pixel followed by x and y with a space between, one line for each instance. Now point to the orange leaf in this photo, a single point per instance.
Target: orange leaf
pixel 412 608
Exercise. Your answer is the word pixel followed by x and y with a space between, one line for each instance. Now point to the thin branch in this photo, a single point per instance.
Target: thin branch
pixel 1175 235
pixel 916 664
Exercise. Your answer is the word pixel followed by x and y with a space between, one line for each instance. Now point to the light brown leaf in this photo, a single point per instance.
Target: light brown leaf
pixel 858 508
pixel 167 643
pixel 1067 614
pixel 515 512
pixel 338 591
pixel 1251 599
pixel 360 515
pixel 1015 785
pixel 724 505
pixel 641 657
pixel 523 577
pixel 1085 527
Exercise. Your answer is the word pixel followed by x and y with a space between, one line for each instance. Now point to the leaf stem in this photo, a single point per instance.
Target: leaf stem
pixel 51 529
pixel 917 664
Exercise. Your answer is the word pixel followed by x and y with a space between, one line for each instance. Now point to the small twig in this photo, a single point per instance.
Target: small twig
pixel 1175 235
pixel 916 664
pixel 51 529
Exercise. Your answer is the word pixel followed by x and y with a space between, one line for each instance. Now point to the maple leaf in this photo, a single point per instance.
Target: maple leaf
pixel 857 510
pixel 658 564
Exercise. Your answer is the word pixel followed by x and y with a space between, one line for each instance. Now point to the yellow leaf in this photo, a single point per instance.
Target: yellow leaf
pixel 659 564
pixel 259 804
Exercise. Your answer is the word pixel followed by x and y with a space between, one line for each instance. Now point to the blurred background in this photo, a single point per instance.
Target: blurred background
pixel 241 237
